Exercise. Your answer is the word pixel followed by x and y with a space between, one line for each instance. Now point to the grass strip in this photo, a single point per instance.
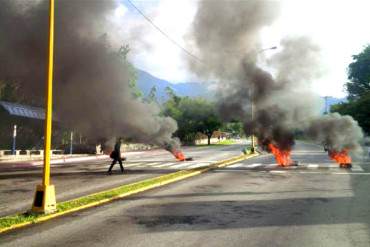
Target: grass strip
pixel 22 219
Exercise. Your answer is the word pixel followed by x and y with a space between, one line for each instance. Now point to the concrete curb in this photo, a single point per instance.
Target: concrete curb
pixel 172 177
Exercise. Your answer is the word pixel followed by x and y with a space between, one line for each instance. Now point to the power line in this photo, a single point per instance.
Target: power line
pixel 164 34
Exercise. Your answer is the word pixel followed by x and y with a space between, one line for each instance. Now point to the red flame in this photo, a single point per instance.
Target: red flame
pixel 340 157
pixel 282 156
pixel 179 155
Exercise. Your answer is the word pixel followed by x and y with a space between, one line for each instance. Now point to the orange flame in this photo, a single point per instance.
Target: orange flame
pixel 179 155
pixel 340 157
pixel 282 156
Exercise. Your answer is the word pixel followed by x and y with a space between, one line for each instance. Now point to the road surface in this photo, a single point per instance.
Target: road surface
pixel 72 180
pixel 252 203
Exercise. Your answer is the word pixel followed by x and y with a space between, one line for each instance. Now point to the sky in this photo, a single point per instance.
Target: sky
pixel 339 27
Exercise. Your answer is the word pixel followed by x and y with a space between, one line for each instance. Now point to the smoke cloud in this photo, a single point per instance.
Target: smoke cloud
pixel 226 38
pixel 336 132
pixel 92 91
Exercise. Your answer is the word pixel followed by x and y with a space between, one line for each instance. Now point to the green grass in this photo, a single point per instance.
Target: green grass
pixel 226 142
pixel 11 220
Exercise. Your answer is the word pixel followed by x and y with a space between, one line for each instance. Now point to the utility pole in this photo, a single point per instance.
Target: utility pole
pixel 326 105
pixel 253 138
pixel 14 139
pixel 44 201
pixel 71 144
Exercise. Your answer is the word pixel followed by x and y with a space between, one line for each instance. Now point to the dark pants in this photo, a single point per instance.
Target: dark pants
pixel 119 159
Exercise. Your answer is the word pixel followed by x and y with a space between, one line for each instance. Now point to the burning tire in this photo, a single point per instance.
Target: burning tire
pixel 345 165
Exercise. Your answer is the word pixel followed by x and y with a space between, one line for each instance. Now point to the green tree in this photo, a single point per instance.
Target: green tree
pixel 359 75
pixel 233 127
pixel 152 95
pixel 193 116
pixel 359 109
pixel 123 56
pixel 358 89
pixel 9 92
pixel 172 95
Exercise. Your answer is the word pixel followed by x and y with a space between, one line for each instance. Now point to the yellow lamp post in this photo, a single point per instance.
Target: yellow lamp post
pixel 44 200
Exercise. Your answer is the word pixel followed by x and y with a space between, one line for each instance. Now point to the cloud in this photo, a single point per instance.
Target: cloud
pixel 151 50
pixel 340 31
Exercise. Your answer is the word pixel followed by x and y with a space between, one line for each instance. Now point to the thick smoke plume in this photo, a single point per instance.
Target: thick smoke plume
pixel 226 39
pixel 336 132
pixel 91 82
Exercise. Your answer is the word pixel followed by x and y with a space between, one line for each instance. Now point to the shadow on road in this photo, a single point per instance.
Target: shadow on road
pixel 210 215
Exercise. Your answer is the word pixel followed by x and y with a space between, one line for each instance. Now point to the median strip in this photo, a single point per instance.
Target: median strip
pixel 23 219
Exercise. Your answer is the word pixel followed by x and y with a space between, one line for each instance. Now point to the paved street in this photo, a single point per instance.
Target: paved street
pixel 252 203
pixel 18 182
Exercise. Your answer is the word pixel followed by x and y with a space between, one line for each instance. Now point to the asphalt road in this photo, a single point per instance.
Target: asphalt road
pixel 253 203
pixel 72 180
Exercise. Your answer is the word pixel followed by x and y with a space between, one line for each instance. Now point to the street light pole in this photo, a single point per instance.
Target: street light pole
pixel 253 137
pixel 326 105
pixel 14 139
pixel 44 201
pixel 71 144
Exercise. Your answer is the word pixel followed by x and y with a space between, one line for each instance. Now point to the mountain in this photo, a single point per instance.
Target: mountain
pixel 146 81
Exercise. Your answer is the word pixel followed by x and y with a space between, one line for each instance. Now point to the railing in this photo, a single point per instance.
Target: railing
pixel 31 153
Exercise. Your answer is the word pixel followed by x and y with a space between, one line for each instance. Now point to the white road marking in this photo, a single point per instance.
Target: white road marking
pixel 198 165
pixel 333 166
pixel 278 171
pixel 254 165
pixel 153 164
pixel 271 165
pixel 357 168
pixel 328 168
pixel 312 166
pixel 132 164
pixel 181 165
pixel 165 165
pixel 236 165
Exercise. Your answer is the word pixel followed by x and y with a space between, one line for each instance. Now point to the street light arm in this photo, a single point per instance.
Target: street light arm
pixel 266 49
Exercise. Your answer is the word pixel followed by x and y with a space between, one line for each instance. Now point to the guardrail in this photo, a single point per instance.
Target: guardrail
pixel 40 152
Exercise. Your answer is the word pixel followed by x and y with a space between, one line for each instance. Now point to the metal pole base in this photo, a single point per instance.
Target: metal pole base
pixel 44 201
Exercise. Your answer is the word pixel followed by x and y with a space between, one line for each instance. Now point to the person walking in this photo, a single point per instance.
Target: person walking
pixel 116 156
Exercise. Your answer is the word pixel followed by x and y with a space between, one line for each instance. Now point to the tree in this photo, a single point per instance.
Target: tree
pixel 193 116
pixel 152 95
pixel 234 127
pixel 359 75
pixel 359 109
pixel 122 54
pixel 358 90
pixel 9 92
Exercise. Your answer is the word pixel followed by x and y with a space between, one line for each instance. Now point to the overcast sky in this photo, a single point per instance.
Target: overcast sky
pixel 340 28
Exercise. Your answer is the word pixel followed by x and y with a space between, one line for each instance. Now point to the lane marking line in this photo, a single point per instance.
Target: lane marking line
pixel 312 166
pixel 278 171
pixel 198 165
pixel 357 168
pixel 132 164
pixel 236 165
pixel 165 165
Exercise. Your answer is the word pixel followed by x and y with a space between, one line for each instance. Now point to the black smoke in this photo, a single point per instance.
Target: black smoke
pixel 91 82
pixel 225 36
